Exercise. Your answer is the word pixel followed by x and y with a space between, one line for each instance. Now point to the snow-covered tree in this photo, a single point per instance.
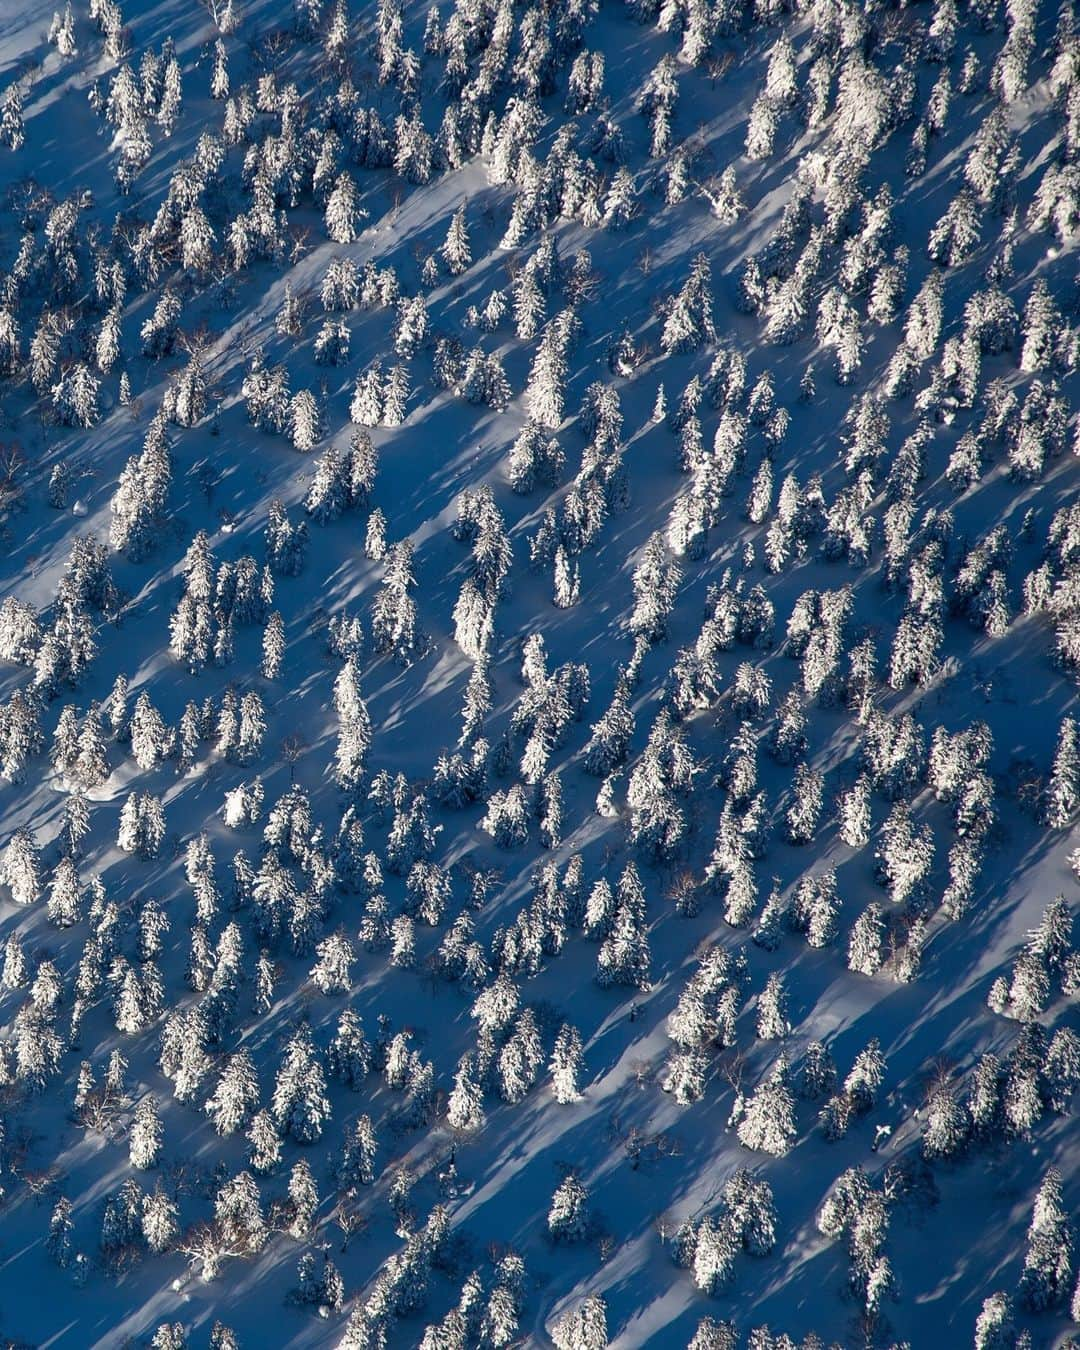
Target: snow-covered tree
pixel 569 1217
pixel 145 1139
pixel 584 1327
pixel 1046 1278
pixel 766 1119
pixel 299 1103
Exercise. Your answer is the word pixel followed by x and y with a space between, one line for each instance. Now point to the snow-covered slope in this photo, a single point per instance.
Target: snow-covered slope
pixel 547 533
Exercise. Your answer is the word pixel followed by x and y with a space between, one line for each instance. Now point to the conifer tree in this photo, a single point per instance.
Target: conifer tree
pixel 584 1327
pixel 766 1120
pixel 456 253
pixel 344 213
pixel 1046 1278
pixel 465 1104
pixel 145 1140
pixel 299 1102
pixel 568 1218
pixel 1062 794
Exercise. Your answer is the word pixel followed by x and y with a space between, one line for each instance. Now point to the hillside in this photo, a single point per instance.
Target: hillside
pixel 539 637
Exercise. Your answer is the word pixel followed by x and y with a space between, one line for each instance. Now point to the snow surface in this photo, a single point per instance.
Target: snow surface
pixel 946 1257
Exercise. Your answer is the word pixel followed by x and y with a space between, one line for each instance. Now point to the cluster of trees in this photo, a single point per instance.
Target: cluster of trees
pixel 972 392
